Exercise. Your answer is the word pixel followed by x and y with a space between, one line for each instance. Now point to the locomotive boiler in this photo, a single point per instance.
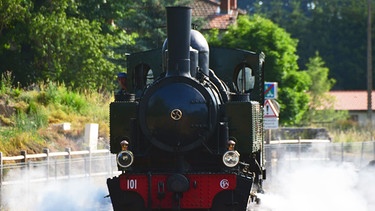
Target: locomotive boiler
pixel 189 135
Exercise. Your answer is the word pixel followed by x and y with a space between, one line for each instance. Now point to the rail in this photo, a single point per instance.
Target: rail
pixel 299 141
pixel 56 165
pixel 357 153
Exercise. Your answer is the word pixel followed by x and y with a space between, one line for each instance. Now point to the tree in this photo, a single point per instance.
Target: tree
pixel 147 18
pixel 12 11
pixel 335 28
pixel 50 45
pixel 321 107
pixel 320 81
pixel 259 34
pixel 341 29
pixel 72 51
pixel 14 56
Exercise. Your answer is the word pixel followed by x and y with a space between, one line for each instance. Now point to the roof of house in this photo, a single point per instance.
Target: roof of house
pixel 352 100
pixel 215 14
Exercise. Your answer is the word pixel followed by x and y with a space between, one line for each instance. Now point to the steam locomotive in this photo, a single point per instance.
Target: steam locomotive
pixel 192 137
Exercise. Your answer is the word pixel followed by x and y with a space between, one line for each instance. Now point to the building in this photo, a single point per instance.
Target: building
pixel 355 102
pixel 216 14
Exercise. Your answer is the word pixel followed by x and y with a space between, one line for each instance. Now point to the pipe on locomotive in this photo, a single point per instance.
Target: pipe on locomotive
pixel 178 34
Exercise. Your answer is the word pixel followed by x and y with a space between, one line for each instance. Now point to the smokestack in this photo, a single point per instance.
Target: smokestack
pixel 178 32
pixel 226 6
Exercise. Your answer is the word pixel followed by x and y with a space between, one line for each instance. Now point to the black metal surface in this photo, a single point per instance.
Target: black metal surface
pixel 235 200
pixel 124 201
pixel 178 32
pixel 198 109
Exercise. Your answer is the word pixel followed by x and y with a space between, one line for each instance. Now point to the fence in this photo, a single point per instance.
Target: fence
pixel 88 163
pixel 56 165
pixel 359 154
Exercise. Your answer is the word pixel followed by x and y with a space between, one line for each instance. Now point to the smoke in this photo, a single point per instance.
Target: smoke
pixel 79 194
pixel 319 185
pixel 293 184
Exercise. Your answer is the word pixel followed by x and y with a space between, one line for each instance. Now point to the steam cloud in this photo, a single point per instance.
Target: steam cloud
pixel 319 185
pixel 292 185
pixel 81 194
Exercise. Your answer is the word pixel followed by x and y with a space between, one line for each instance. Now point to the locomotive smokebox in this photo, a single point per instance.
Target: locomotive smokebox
pixel 178 32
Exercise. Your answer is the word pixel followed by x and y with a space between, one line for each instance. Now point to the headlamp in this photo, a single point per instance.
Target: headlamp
pixel 231 158
pixel 125 158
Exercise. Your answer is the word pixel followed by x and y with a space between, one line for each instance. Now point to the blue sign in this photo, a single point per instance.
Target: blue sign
pixel 270 90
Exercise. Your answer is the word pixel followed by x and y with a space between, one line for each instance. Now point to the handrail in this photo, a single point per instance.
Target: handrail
pixel 66 155
pixel 18 157
pixel 46 154
pixel 299 141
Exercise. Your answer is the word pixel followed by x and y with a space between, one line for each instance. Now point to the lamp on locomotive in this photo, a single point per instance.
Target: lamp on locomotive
pixel 125 158
pixel 231 158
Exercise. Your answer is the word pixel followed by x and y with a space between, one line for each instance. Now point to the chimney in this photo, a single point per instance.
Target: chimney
pixel 226 6
pixel 179 36
pixel 233 5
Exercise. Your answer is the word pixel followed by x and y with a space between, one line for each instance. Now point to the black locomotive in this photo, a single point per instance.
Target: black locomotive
pixel 191 138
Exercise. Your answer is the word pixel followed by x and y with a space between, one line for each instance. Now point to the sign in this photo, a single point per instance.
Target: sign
pixel 271 116
pixel 270 90
pixel 270 123
pixel 269 109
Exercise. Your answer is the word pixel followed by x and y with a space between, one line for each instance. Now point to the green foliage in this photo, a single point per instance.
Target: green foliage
pixel 319 75
pixel 335 28
pixel 147 18
pixel 321 107
pixel 293 97
pixel 80 43
pixel 6 83
pixel 75 102
pixel 59 95
pixel 73 51
pixel 12 11
pixel 213 37
pixel 350 132
pixel 100 10
pixel 54 43
pixel 6 87
pixel 30 122
pixel 340 26
pixel 259 34
pixel 37 110
pixel 13 140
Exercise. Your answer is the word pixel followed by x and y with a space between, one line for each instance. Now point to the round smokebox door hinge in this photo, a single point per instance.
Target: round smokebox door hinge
pixel 176 114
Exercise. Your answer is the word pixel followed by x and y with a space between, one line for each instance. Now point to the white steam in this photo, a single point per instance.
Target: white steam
pixel 70 194
pixel 292 185
pixel 319 185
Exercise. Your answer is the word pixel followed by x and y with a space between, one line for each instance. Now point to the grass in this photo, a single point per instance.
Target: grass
pixel 351 135
pixel 27 117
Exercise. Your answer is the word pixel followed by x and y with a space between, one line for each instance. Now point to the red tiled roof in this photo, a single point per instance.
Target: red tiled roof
pixel 202 8
pixel 221 21
pixel 209 10
pixel 352 100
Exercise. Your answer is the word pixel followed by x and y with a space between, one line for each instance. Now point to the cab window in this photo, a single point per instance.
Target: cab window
pixel 244 78
pixel 143 75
